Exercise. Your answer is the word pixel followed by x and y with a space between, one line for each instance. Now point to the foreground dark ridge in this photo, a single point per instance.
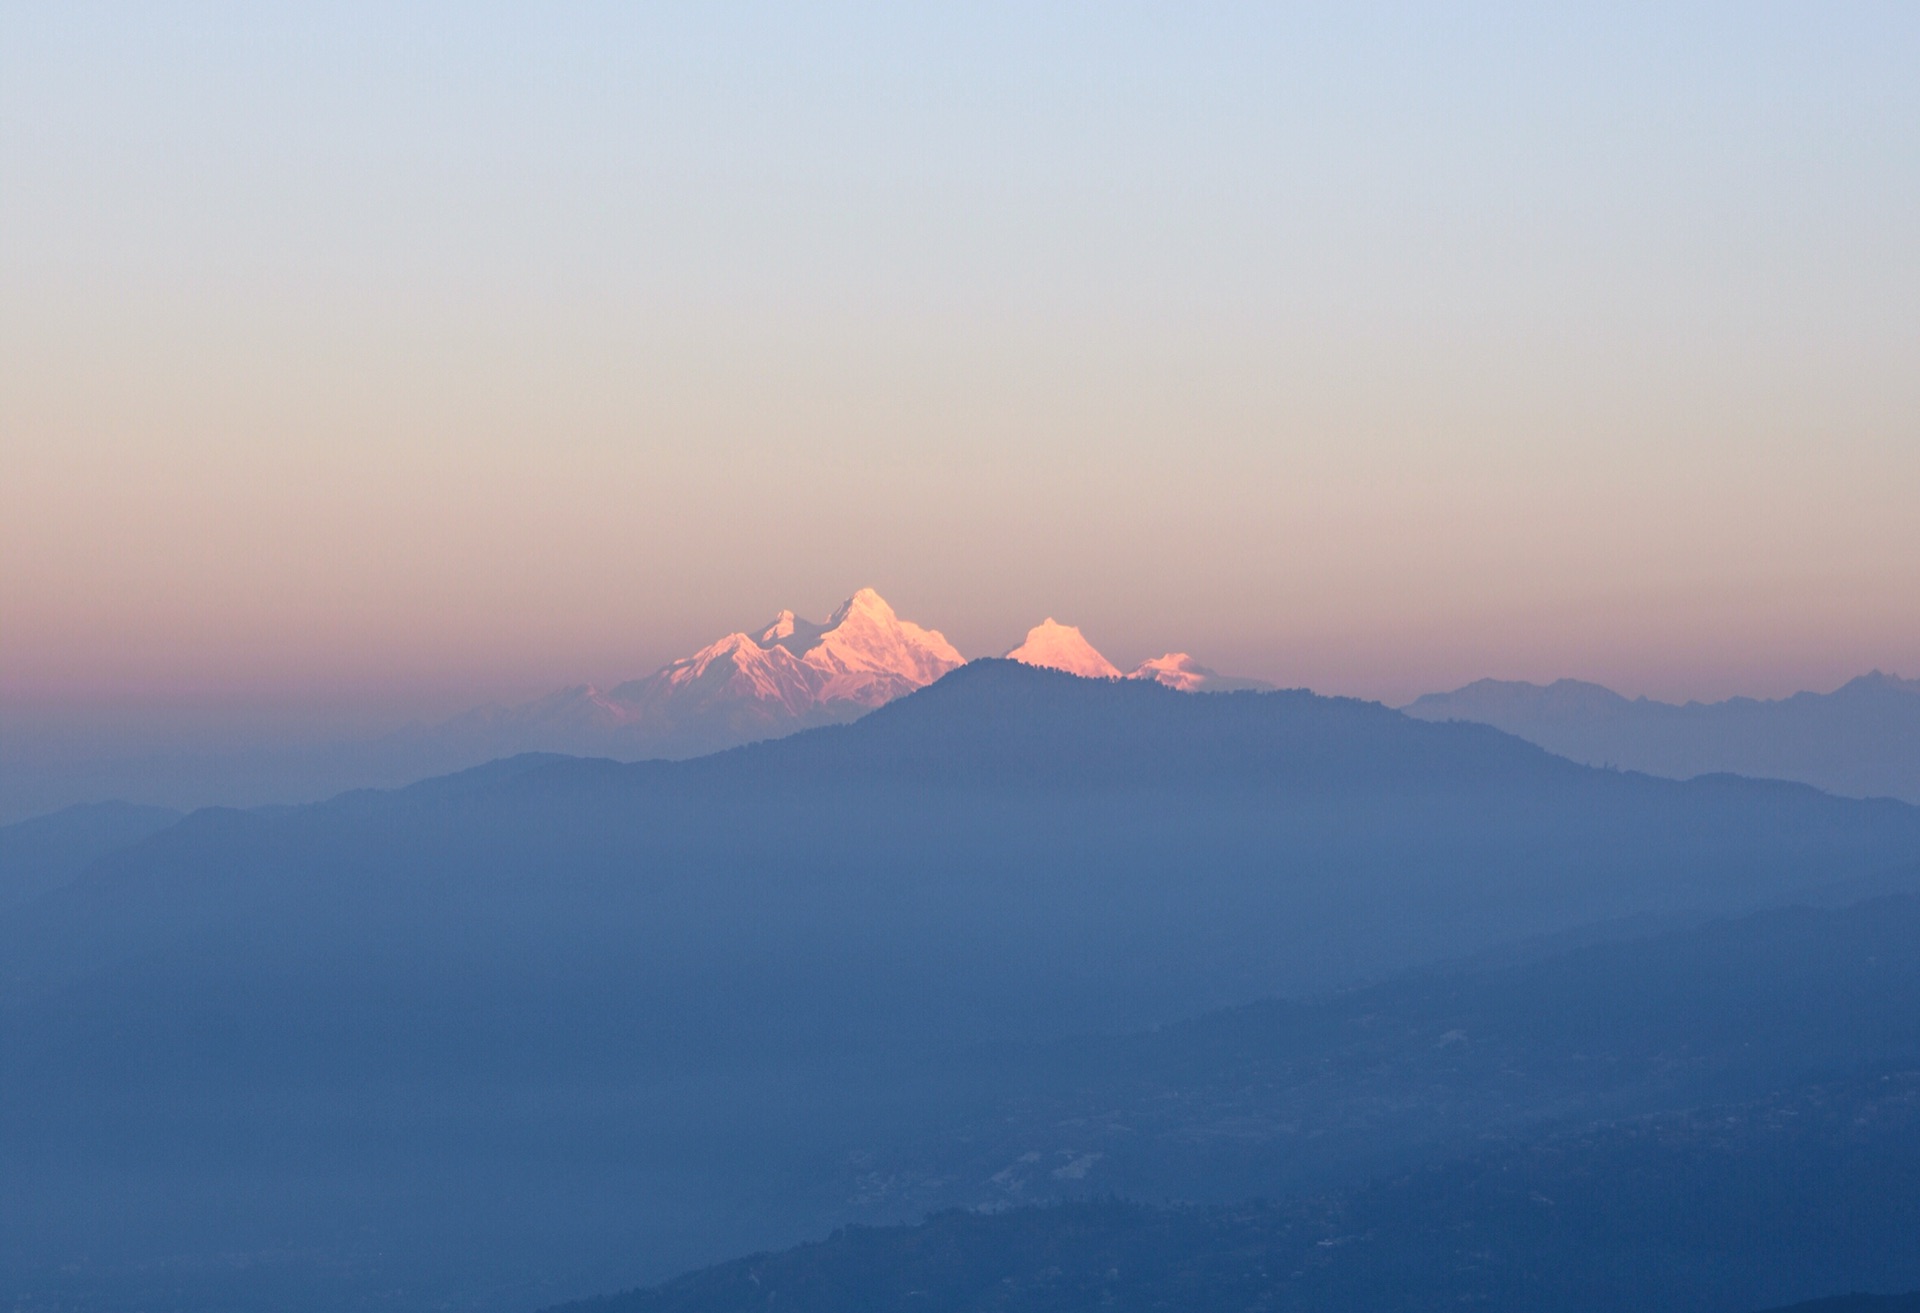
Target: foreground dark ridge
pixel 1721 1208
pixel 1281 1098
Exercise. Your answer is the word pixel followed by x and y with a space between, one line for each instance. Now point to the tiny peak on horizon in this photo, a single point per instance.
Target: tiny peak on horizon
pixel 1178 670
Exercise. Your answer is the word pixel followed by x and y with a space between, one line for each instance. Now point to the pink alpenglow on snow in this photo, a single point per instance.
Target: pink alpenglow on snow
pixel 1175 670
pixel 794 674
pixel 1178 670
pixel 1063 647
pixel 865 656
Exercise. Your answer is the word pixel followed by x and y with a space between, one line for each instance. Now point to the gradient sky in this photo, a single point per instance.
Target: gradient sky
pixel 392 357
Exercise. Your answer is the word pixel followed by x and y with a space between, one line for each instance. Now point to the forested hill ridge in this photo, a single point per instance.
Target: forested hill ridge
pixel 1002 720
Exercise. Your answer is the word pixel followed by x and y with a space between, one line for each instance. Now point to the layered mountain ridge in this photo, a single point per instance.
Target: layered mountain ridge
pixel 1860 740
pixel 402 1028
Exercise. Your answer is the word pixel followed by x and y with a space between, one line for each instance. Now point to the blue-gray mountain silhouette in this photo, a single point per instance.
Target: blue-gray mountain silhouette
pixel 522 1012
pixel 1862 740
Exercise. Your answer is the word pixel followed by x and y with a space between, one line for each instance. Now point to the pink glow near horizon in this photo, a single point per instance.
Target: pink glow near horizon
pixel 1371 358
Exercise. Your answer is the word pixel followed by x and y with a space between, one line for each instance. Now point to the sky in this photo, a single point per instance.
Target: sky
pixel 369 361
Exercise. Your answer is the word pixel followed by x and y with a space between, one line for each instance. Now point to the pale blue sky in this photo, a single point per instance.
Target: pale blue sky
pixel 423 353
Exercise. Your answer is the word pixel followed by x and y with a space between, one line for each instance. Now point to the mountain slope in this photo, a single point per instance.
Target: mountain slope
pixel 1319 1093
pixel 1721 1208
pixel 47 851
pixel 1862 740
pixel 1347 838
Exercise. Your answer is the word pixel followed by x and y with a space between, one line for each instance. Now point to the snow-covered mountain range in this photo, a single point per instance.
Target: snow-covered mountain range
pixel 864 656
pixel 791 674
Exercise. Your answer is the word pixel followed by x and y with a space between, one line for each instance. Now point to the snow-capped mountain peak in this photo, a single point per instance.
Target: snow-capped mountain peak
pixel 1175 670
pixel 863 656
pixel 1063 647
pixel 869 655
pixel 1181 671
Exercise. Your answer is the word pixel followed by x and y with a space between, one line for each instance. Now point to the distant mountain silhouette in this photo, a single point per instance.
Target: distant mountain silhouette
pixel 44 853
pixel 523 1011
pixel 1861 741
pixel 1238 844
